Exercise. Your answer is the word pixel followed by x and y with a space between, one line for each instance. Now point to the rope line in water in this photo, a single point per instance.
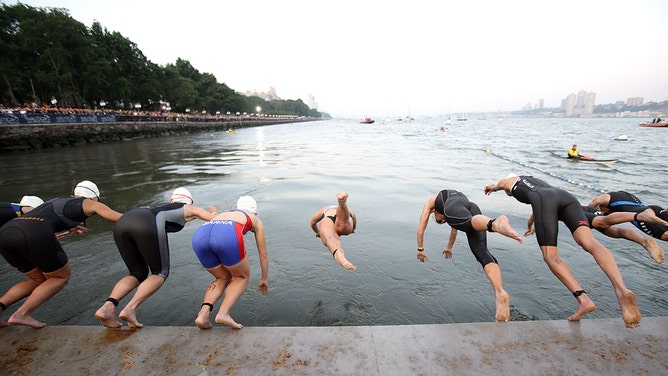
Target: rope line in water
pixel 571 181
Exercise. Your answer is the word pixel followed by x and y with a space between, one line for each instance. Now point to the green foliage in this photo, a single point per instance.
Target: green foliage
pixel 47 54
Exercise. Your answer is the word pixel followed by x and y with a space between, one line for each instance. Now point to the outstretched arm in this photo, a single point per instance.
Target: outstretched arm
pixel 258 230
pixel 427 209
pixel 451 241
pixel 314 222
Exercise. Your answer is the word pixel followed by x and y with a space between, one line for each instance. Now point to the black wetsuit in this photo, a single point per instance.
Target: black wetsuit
pixel 550 205
pixel 141 237
pixel 9 211
pixel 621 201
pixel 458 212
pixel 29 241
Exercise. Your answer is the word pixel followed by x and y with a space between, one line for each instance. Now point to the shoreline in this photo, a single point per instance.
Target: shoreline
pixel 22 137
pixel 557 347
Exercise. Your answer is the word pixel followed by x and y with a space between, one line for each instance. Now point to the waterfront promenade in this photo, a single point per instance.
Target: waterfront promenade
pixel 560 347
pixel 17 137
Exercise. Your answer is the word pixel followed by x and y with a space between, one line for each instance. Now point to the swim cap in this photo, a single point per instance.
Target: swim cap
pixel 86 189
pixel 247 203
pixel 32 201
pixel 182 195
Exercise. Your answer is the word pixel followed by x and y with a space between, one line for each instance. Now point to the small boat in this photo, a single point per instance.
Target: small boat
pixel 622 137
pixel 231 131
pixel 367 120
pixel 590 159
pixel 655 125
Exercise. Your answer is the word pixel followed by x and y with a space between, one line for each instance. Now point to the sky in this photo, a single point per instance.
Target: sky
pixel 397 58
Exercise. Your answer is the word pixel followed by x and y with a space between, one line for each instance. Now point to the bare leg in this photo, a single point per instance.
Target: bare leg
pixel 648 243
pixel 500 225
pixel 107 312
pixel 55 281
pixel 340 258
pixel 212 294
pixel 22 289
pixel 493 272
pixel 344 224
pixel 240 273
pixel 565 275
pixel 331 239
pixel 648 216
pixel 145 289
pixel 606 261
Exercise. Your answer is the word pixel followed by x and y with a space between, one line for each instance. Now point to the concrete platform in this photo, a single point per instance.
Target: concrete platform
pixel 591 347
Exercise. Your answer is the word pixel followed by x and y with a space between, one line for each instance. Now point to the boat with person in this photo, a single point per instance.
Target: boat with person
pixel 656 122
pixel 367 120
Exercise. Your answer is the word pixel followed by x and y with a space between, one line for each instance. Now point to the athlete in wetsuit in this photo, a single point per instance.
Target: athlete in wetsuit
pixel 551 205
pixel 454 208
pixel 29 244
pixel 219 246
pixel 606 224
pixel 341 221
pixel 621 201
pixel 141 238
pixel 9 211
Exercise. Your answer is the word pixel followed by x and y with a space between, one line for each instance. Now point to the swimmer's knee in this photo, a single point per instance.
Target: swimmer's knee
pixel 139 276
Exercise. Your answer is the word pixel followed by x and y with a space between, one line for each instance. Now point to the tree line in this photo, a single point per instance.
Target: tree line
pixel 50 59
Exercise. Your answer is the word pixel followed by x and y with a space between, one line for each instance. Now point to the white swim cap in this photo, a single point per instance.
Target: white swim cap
pixel 32 201
pixel 86 189
pixel 182 195
pixel 247 203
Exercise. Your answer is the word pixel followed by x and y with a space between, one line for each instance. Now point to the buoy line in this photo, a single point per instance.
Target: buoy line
pixel 568 180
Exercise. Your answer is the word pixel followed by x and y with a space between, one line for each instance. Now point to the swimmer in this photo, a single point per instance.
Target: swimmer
pixel 341 220
pixel 40 256
pixel 454 208
pixel 551 205
pixel 219 246
pixel 141 238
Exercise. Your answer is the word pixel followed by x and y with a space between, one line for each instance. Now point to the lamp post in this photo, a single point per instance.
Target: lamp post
pixel 54 102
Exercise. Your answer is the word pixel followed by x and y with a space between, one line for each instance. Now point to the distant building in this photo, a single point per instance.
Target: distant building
pixel 267 96
pixel 635 101
pixel 581 105
pixel 540 104
pixel 312 104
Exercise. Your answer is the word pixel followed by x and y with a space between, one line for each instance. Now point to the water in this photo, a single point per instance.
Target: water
pixel 389 170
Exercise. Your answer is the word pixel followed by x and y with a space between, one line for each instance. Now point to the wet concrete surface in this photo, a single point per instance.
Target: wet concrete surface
pixel 590 347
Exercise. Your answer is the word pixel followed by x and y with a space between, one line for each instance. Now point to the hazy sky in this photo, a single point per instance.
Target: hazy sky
pixel 386 58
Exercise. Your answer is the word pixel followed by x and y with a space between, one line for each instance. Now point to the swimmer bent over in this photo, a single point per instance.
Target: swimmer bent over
pixel 335 221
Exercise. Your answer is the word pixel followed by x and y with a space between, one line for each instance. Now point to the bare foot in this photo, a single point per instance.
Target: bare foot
pixel 502 226
pixel 654 250
pixel 503 307
pixel 227 320
pixel 342 198
pixel 27 320
pixel 131 317
pixel 585 305
pixel 648 216
pixel 107 316
pixel 340 258
pixel 203 320
pixel 630 311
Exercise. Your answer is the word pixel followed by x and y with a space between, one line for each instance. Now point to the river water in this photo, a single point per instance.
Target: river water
pixel 389 170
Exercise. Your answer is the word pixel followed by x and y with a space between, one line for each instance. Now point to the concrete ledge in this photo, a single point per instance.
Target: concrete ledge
pixel 591 347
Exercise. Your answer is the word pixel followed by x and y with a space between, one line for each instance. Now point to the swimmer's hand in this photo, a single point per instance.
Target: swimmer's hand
pixel 263 287
pixel 530 232
pixel 421 255
pixel 448 253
